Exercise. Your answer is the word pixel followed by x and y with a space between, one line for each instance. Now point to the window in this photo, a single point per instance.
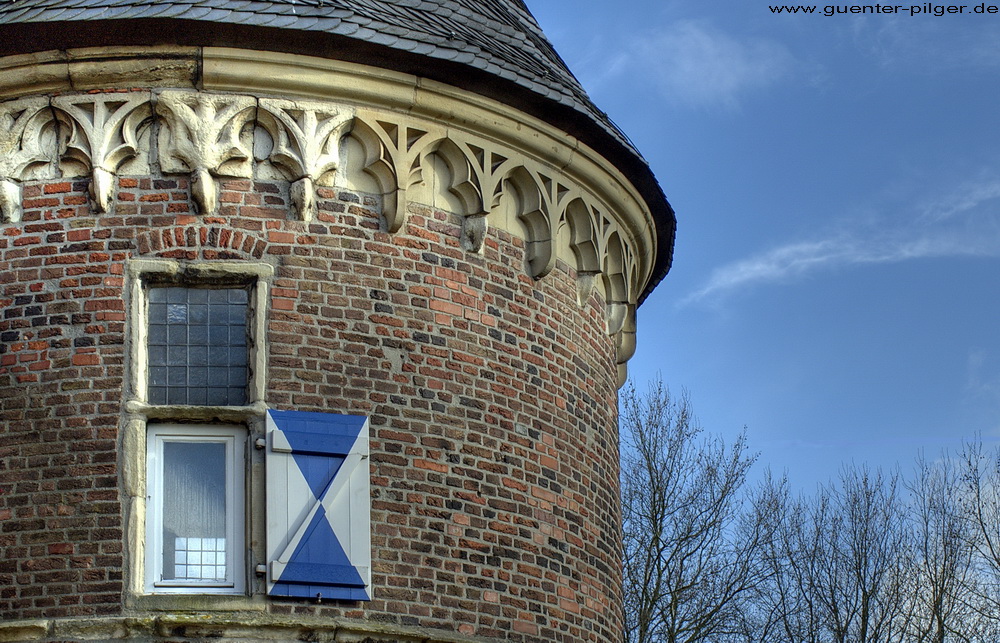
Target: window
pixel 197 333
pixel 205 504
pixel 195 508
pixel 197 351
pixel 194 400
pixel 198 346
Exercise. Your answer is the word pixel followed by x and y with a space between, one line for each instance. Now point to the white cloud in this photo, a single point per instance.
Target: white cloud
pixel 697 64
pixel 968 197
pixel 954 227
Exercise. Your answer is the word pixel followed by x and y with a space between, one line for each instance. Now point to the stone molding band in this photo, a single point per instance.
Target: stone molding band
pixel 228 626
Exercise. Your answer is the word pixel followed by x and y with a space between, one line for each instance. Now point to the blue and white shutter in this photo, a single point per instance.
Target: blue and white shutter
pixel 318 506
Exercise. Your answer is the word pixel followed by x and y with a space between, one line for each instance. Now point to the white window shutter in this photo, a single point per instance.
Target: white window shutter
pixel 318 506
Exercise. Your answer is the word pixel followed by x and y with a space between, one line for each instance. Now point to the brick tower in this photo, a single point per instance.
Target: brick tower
pixel 313 317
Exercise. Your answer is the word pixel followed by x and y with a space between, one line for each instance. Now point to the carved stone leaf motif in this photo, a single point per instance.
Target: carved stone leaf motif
pixel 22 123
pixel 10 201
pixel 104 132
pixel 396 153
pixel 206 135
pixel 306 145
pixel 586 282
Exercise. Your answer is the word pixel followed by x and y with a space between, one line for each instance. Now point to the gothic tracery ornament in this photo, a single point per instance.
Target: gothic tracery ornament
pixel 104 133
pixel 396 155
pixel 306 139
pixel 22 149
pixel 206 135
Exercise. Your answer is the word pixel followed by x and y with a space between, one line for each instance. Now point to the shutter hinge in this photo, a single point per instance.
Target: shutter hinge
pixel 260 570
pixel 259 443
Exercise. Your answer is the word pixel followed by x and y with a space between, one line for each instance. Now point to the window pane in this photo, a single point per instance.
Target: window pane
pixel 198 313
pixel 218 396
pixel 218 335
pixel 157 395
pixel 198 396
pixel 199 327
pixel 198 377
pixel 176 355
pixel 158 333
pixel 177 314
pixel 194 511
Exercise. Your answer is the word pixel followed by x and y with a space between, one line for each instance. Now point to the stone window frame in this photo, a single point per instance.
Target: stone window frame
pixel 140 275
pixel 145 272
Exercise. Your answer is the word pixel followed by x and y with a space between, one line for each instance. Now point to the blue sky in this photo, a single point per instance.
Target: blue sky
pixel 835 286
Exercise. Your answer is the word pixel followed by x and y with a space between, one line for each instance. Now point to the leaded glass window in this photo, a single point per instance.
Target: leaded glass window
pixel 197 346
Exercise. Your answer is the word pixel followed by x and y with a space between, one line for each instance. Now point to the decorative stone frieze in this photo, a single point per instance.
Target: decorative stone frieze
pixel 306 138
pixel 394 158
pixel 206 135
pixel 534 186
pixel 103 133
pixel 212 135
pixel 26 142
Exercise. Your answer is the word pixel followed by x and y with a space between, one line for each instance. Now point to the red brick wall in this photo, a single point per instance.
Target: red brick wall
pixel 491 396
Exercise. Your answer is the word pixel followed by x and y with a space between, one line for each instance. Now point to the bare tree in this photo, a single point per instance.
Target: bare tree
pixel 707 559
pixel 980 495
pixel 786 607
pixel 942 563
pixel 838 565
pixel 690 552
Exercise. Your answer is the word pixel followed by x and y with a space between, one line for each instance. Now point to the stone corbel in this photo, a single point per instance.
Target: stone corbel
pixel 306 140
pixel 207 136
pixel 23 146
pixel 474 228
pixel 104 132
pixel 616 315
pixel 625 345
pixel 586 281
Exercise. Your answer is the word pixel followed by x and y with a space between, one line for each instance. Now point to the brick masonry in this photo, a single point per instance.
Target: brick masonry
pixel 491 396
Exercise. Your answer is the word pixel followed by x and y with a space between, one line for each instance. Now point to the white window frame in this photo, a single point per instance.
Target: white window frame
pixel 234 438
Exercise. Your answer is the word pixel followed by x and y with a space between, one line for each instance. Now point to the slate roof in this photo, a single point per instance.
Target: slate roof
pixel 492 46
pixel 497 36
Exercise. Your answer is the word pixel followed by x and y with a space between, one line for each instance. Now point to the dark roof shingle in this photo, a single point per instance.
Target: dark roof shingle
pixel 486 34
